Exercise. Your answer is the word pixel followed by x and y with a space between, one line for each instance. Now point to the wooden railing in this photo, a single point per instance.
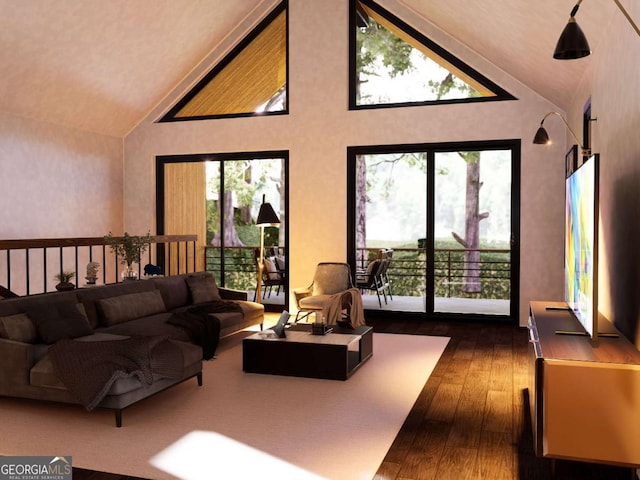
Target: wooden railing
pixel 28 266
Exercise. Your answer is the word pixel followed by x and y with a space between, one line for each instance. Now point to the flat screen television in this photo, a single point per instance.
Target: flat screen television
pixel 581 244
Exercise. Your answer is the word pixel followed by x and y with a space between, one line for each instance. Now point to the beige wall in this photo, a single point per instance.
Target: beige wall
pixel 56 182
pixel 320 127
pixel 612 82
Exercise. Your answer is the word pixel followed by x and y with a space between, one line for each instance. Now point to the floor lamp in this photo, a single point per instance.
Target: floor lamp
pixel 266 218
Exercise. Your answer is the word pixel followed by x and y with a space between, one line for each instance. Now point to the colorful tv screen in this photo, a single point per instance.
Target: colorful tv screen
pixel 581 244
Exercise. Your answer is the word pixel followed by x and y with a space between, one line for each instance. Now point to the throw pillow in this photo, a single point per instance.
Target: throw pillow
pixel 203 288
pixel 57 320
pixel 272 271
pixel 18 328
pixel 130 306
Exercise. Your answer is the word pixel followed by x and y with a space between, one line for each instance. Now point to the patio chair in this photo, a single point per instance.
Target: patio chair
pixel 387 254
pixel 271 276
pixel 371 280
pixel 329 279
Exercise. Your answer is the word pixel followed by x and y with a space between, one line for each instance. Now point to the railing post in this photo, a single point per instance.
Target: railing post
pixel 449 273
pixel 44 260
pixel 27 270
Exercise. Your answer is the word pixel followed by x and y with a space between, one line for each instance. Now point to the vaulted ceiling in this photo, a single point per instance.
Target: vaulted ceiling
pixel 103 66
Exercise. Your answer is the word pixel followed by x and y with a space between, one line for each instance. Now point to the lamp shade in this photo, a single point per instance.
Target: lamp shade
pixel 267 216
pixel 541 137
pixel 572 42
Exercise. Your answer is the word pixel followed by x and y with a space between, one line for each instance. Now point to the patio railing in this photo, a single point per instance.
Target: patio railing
pixel 406 273
pixel 453 274
pixel 239 267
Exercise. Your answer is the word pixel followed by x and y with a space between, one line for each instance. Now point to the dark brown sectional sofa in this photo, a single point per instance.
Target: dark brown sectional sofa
pixel 34 328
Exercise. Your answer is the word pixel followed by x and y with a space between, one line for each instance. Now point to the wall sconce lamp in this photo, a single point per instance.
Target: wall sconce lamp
pixel 542 137
pixel 573 43
pixel 266 218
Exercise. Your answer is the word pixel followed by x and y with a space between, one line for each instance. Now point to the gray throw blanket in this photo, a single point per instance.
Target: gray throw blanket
pixel 89 369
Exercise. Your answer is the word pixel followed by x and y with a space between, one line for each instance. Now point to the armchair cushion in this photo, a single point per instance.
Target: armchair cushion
pixel 314 302
pixel 331 278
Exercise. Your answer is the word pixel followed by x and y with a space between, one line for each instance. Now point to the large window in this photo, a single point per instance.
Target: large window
pixel 392 64
pixel 250 80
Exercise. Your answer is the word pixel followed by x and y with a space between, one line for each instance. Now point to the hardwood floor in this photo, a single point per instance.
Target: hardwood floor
pixel 470 420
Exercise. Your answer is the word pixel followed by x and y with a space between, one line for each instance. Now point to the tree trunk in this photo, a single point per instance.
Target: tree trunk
pixel 231 238
pixel 471 241
pixel 245 210
pixel 472 228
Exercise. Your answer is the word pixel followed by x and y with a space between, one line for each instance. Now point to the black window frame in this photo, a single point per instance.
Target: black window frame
pixel 162 160
pixel 500 93
pixel 513 145
pixel 170 116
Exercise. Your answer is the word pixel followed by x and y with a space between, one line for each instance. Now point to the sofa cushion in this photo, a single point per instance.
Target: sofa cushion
pixel 150 325
pixel 57 320
pixel 174 290
pixel 19 328
pixel 203 288
pixel 89 296
pixel 130 306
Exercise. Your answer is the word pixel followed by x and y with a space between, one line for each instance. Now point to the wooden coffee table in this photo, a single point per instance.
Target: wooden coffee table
pixel 334 356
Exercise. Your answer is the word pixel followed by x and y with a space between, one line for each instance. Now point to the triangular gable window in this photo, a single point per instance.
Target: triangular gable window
pixel 393 64
pixel 250 80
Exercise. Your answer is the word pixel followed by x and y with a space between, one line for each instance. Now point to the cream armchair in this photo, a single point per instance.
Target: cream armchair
pixel 330 278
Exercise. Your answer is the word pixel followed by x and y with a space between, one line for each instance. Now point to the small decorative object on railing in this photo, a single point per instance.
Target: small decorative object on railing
pixel 64 279
pixel 129 274
pixel 92 272
pixel 128 248
pixel 151 270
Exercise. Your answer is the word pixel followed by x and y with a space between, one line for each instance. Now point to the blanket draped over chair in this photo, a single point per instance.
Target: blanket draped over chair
pixel 89 369
pixel 349 300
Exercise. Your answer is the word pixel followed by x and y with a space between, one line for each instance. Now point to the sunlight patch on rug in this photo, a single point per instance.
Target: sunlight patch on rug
pixel 189 458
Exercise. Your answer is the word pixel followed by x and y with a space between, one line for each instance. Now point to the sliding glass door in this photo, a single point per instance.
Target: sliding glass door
pixel 441 221
pixel 472 222
pixel 219 197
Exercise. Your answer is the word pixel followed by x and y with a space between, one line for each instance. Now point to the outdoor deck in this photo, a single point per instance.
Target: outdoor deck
pixel 417 304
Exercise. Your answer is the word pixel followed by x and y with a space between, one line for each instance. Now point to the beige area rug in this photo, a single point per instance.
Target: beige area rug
pixel 238 425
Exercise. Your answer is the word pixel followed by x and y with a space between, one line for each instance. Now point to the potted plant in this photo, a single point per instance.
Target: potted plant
pixel 128 248
pixel 64 279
